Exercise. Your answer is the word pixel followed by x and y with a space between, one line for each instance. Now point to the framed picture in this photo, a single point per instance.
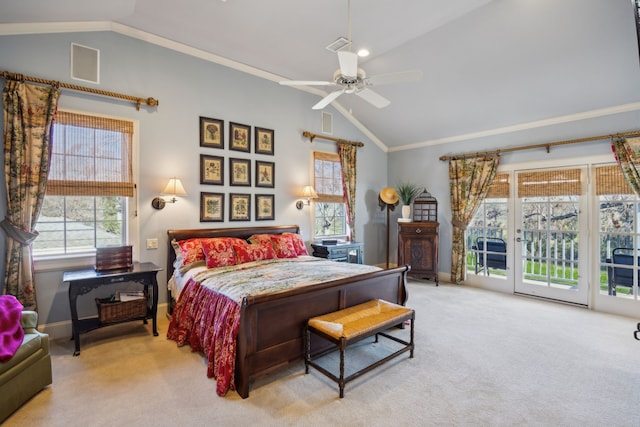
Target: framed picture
pixel 239 207
pixel 240 136
pixel 240 172
pixel 264 207
pixel 211 170
pixel 211 132
pixel 264 141
pixel 211 207
pixel 265 174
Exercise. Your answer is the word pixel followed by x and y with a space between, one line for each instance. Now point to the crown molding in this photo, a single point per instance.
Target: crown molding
pixel 601 112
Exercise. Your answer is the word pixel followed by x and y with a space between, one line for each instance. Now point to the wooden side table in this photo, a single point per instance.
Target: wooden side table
pixel 418 247
pixel 84 281
pixel 341 252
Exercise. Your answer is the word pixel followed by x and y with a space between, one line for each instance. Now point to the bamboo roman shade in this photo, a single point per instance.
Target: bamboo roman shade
pixel 610 180
pixel 499 188
pixel 91 156
pixel 327 177
pixel 548 183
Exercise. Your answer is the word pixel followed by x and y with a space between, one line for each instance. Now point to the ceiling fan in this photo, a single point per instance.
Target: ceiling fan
pixel 351 79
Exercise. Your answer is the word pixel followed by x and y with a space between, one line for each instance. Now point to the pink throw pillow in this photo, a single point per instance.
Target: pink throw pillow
pixel 218 251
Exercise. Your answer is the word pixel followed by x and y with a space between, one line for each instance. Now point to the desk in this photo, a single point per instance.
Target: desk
pixel 84 281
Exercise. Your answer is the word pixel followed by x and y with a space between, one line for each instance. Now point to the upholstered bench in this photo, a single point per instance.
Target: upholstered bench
pixel 353 324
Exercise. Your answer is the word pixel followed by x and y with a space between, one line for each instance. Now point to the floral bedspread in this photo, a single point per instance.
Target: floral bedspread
pixel 207 314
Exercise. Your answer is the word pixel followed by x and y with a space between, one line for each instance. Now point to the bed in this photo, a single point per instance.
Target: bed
pixel 266 328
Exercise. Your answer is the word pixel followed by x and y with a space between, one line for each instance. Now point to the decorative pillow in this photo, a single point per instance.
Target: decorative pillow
pixel 283 245
pixel 188 251
pixel 298 243
pixel 218 251
pixel 260 238
pixel 246 252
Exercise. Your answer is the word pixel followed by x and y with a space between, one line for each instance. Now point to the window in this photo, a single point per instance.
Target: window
pixel 487 231
pixel 90 185
pixel 619 233
pixel 330 212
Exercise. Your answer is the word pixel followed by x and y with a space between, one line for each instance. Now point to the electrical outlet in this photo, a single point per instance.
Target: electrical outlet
pixel 152 243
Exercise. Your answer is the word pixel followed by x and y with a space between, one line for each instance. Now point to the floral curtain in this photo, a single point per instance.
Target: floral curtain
pixel 29 111
pixel 469 181
pixel 347 154
pixel 627 153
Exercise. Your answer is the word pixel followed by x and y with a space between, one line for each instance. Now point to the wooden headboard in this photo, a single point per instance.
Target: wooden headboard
pixel 242 233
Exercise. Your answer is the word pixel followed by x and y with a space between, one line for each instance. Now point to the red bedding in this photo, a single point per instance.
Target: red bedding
pixel 209 322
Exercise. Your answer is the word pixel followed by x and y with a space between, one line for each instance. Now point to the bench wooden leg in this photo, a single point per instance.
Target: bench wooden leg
pixel 307 349
pixel 341 382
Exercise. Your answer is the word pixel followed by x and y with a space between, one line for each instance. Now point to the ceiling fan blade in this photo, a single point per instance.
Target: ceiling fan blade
pixel 373 98
pixel 348 63
pixel 398 77
pixel 305 83
pixel 327 99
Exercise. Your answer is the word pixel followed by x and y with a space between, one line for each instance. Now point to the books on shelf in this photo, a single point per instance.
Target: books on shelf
pixel 129 295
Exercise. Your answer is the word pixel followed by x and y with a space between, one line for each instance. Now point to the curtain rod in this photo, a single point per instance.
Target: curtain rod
pixel 547 145
pixel 313 136
pixel 151 102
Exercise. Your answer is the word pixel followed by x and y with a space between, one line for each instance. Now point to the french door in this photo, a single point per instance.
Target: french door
pixel 551 234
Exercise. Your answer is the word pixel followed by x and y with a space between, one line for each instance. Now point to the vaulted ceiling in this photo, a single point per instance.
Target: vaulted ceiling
pixel 487 65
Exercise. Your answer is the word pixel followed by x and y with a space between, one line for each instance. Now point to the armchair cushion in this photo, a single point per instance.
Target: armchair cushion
pixel 11 331
pixel 29 370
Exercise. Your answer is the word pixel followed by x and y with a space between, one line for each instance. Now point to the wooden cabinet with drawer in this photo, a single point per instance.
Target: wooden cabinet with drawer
pixel 418 247
pixel 341 252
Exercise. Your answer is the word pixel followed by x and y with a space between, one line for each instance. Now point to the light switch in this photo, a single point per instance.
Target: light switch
pixel 152 243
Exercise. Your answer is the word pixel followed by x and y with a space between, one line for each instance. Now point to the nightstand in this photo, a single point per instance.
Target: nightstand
pixel 341 252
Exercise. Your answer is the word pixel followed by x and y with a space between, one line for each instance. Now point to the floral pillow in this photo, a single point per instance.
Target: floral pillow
pixel 298 243
pixel 283 246
pixel 188 251
pixel 246 252
pixel 260 238
pixel 218 251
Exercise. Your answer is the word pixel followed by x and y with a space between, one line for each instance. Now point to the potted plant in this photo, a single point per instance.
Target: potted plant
pixel 408 192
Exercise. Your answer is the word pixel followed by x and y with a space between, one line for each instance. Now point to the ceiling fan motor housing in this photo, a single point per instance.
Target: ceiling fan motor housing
pixel 350 82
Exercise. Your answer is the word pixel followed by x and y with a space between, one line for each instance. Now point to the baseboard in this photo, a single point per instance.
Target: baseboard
pixel 59 330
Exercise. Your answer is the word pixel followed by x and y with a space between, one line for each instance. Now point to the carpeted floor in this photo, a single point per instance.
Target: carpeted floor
pixel 482 358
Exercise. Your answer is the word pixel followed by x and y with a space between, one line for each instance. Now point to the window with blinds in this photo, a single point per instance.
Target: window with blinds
pixel 619 232
pixel 89 184
pixel 329 208
pixel 91 156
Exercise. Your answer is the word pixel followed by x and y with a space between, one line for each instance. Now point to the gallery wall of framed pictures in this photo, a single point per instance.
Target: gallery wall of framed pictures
pixel 255 171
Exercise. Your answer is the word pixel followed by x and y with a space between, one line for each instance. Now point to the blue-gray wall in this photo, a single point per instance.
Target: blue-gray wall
pixel 189 87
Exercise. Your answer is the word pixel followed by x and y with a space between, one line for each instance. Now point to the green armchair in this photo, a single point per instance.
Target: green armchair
pixel 28 371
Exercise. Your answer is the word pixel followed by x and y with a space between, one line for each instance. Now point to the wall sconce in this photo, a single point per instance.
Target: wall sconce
pixel 174 188
pixel 308 193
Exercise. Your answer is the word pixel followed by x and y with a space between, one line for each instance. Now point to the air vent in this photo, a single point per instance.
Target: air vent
pixel 327 123
pixel 339 44
pixel 85 63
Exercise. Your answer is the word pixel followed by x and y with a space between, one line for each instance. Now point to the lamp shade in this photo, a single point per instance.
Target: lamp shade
pixel 174 188
pixel 308 192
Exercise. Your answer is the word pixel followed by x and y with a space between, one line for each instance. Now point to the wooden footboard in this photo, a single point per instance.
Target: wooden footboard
pixel 271 326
